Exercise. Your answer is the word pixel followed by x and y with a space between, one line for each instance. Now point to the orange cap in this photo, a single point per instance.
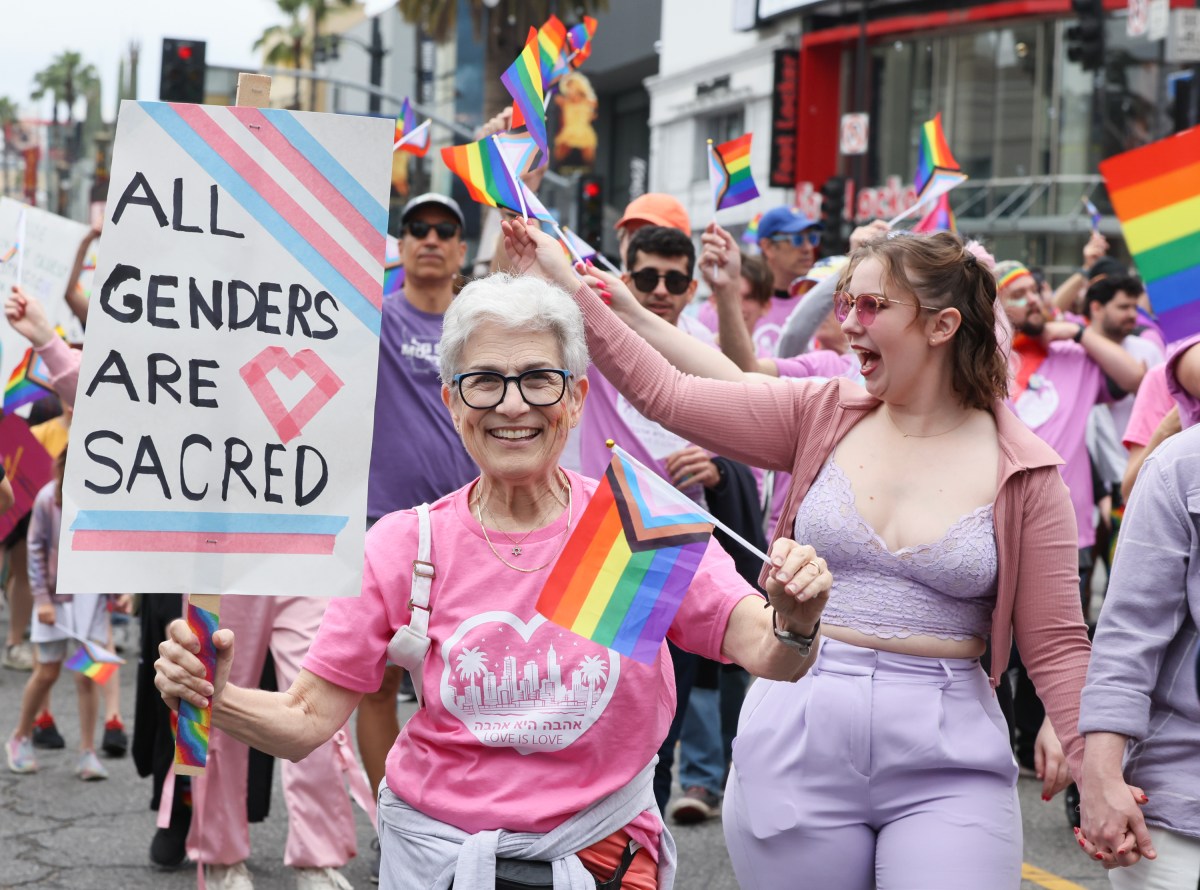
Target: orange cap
pixel 657 209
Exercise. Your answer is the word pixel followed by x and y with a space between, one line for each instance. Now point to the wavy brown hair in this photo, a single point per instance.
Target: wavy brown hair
pixel 937 270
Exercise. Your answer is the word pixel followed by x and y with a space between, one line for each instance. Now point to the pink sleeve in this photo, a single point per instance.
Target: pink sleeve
pixel 351 646
pixel 38 540
pixel 767 429
pixel 700 623
pixel 63 363
pixel 1152 403
pixel 821 363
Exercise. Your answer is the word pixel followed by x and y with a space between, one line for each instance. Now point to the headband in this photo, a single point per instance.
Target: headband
pixel 1011 276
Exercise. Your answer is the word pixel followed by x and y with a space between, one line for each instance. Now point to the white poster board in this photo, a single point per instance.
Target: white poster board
pixel 51 242
pixel 223 420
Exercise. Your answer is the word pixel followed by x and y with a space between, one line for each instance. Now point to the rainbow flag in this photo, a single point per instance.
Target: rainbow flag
pixel 9 254
pixel 519 150
pixel 1155 192
pixel 729 172
pixel 523 80
pixel 481 167
pixel 410 136
pixel 750 236
pixel 94 661
pixel 1093 213
pixel 552 41
pixel 939 219
pixel 937 171
pixel 580 40
pixel 625 568
pixel 29 382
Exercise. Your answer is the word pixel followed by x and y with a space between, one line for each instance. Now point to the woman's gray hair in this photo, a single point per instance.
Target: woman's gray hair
pixel 517 303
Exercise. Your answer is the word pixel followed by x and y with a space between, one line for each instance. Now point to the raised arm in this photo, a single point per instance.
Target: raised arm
pixel 1118 365
pixel 28 319
pixel 75 296
pixel 721 268
pixel 767 430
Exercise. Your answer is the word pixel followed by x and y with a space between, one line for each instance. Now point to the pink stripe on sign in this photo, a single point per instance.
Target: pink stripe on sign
pixel 271 191
pixel 302 168
pixel 200 542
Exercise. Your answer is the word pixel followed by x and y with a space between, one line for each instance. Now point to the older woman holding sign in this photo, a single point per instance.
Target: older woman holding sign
pixel 533 743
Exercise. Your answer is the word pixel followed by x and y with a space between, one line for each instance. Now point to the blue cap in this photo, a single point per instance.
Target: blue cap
pixel 785 221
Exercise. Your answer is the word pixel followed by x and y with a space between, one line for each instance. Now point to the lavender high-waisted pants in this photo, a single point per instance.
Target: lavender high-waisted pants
pixel 874 770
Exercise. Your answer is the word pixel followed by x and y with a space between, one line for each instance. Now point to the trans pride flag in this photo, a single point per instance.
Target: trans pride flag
pixel 410 136
pixel 624 570
pixel 1155 192
pixel 729 172
pixel 29 382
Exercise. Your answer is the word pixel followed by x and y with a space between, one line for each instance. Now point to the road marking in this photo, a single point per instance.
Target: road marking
pixel 1045 879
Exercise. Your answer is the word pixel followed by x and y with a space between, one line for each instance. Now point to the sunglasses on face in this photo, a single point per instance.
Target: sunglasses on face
pixel 419 229
pixel 646 280
pixel 799 239
pixel 868 306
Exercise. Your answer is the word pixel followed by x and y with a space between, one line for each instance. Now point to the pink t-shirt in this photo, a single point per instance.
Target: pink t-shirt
pixel 1189 405
pixel 1152 403
pixel 524 723
pixel 768 328
pixel 1055 406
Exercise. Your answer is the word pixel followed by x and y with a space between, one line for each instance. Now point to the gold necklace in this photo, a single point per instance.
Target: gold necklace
pixel 496 553
pixel 905 435
pixel 516 544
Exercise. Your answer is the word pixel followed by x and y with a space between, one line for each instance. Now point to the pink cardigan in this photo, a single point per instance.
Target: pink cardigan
pixel 795 429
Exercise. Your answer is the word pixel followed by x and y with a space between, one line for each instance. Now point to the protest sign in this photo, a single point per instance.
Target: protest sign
pixel 27 466
pixel 49 249
pixel 223 418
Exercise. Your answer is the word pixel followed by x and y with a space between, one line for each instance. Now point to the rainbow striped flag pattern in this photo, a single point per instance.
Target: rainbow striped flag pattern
pixel 552 41
pixel 580 40
pixel 410 136
pixel 94 661
pixel 523 80
pixel 482 168
pixel 625 568
pixel 939 219
pixel 1155 192
pixel 29 382
pixel 937 171
pixel 729 172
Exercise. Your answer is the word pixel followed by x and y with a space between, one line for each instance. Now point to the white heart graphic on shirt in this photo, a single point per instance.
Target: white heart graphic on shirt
pixel 526 704
pixel 1036 406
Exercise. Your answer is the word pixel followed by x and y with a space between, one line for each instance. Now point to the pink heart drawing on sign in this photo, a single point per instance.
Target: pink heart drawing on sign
pixel 289 424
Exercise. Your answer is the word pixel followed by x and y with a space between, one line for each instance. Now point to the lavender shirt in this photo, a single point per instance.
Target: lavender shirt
pixel 767 330
pixel 416 456
pixel 1141 681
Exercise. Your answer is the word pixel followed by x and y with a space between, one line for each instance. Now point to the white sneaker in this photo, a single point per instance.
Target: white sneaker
pixel 321 879
pixel 228 877
pixel 89 768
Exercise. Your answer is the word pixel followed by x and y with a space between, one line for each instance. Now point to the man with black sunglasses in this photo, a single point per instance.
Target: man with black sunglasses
pixel 416 455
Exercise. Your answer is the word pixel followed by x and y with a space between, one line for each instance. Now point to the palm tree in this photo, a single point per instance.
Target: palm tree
pixel 8 117
pixel 507 25
pixel 287 44
pixel 471 664
pixel 593 670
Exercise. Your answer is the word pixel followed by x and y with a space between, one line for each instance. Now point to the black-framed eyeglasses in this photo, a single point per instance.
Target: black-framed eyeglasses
pixel 539 387
pixel 811 237
pixel 646 280
pixel 868 306
pixel 418 228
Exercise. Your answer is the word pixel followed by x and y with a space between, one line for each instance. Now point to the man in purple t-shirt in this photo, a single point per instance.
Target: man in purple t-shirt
pixel 416 456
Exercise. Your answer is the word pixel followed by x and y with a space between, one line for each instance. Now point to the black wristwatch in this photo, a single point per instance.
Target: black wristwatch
pixel 1079 333
pixel 801 643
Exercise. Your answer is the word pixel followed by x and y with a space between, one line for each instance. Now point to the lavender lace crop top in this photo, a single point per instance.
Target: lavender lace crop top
pixel 946 589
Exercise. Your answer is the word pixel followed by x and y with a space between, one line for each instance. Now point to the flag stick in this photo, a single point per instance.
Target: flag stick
pixel 518 185
pixel 407 137
pixel 905 214
pixel 20 245
pixel 562 236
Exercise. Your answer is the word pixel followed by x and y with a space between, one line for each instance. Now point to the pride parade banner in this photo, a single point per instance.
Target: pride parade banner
pixel 223 420
pixel 43 258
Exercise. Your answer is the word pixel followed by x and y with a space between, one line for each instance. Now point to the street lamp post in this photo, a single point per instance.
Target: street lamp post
pixel 327 48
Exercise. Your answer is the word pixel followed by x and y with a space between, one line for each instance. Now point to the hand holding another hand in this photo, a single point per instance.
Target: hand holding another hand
pixel 798 585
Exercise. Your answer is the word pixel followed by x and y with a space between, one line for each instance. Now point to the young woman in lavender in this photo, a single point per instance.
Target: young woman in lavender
pixel 945 523
pixel 532 743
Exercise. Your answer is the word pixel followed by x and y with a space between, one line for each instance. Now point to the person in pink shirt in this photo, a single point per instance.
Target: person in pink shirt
pixel 947 524
pixel 531 743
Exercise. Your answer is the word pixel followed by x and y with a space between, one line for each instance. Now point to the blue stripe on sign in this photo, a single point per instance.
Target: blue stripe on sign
pixel 181 521
pixel 266 215
pixel 362 201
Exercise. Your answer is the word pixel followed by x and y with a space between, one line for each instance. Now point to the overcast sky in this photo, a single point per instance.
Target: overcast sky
pixel 34 31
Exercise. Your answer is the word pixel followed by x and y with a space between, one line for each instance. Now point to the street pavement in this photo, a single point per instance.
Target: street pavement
pixel 59 832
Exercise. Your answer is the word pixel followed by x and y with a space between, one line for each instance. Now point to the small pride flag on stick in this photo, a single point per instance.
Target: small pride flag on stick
pixel 729 172
pixel 624 570
pixel 937 171
pixel 411 136
pixel 92 660
pixel 523 80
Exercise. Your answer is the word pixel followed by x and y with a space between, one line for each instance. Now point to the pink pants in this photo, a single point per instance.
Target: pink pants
pixel 321 830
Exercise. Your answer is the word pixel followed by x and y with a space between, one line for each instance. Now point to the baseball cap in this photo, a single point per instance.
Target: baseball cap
pixel 818 272
pixel 785 221
pixel 656 209
pixel 433 198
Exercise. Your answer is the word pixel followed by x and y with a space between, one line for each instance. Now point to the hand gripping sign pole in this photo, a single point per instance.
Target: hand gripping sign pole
pixel 203 611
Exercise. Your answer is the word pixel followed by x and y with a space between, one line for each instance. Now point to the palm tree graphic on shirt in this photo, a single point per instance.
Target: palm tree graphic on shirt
pixel 593 670
pixel 472 664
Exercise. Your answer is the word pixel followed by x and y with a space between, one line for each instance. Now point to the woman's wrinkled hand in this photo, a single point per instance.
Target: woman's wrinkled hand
pixel 533 252
pixel 798 585
pixel 179 673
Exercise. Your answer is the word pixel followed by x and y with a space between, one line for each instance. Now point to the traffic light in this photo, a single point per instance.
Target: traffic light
pixel 182 77
pixel 591 210
pixel 833 212
pixel 1085 40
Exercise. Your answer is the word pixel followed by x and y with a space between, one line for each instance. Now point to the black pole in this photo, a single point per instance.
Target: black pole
pixel 375 104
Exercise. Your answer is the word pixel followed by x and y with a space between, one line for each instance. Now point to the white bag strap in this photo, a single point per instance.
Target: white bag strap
pixel 410 643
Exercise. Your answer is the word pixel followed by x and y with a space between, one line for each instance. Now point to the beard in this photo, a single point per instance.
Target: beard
pixel 1033 326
